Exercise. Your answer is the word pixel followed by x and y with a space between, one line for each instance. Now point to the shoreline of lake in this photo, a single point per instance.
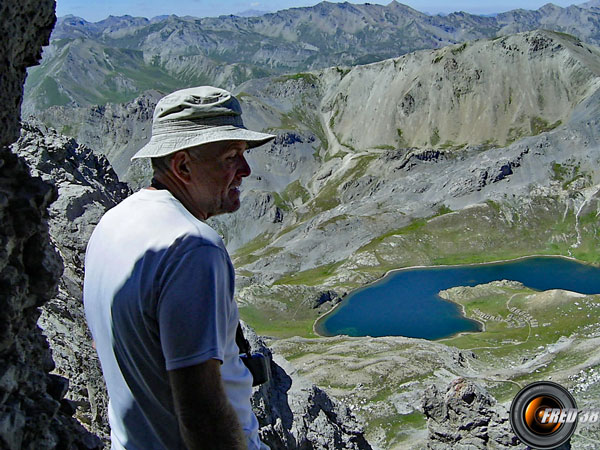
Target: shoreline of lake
pixel 330 311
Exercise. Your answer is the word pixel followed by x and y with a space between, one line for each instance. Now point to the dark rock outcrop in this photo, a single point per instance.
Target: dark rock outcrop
pixel 87 187
pixel 294 414
pixel 331 297
pixel 466 417
pixel 33 412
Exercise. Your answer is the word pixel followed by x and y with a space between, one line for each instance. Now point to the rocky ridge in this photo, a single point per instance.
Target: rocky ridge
pixel 33 411
pixel 323 163
pixel 119 57
pixel 114 130
pixel 470 83
pixel 87 187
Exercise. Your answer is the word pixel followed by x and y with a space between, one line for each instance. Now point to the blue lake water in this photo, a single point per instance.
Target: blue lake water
pixel 405 302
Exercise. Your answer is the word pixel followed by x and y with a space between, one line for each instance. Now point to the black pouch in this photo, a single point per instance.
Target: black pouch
pixel 259 367
pixel 257 364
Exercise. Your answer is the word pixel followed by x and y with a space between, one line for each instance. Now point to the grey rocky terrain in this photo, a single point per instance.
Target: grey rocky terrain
pixel 475 134
pixel 323 174
pixel 466 416
pixel 87 187
pixel 34 413
pixel 380 167
pixel 114 130
pixel 295 414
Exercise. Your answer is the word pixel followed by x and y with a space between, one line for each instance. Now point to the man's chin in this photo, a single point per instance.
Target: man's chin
pixel 231 206
pixel 235 206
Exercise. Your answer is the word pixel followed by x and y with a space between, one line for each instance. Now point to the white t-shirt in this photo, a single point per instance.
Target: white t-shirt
pixel 158 296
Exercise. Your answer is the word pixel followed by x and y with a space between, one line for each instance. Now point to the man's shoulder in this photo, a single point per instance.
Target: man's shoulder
pixel 159 220
pixel 198 238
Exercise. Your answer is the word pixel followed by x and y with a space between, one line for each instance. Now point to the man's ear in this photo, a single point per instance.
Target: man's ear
pixel 180 166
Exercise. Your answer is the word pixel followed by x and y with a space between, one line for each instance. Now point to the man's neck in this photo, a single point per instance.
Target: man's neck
pixel 178 191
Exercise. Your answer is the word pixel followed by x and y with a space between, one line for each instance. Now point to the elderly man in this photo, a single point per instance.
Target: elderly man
pixel 159 284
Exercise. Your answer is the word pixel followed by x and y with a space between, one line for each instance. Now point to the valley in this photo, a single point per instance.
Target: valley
pixel 383 378
pixel 378 203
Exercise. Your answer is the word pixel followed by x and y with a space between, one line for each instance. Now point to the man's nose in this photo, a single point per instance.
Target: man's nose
pixel 244 169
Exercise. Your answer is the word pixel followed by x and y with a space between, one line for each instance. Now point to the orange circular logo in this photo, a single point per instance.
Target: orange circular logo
pixel 543 415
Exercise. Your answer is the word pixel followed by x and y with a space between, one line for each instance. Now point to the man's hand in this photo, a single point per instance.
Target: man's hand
pixel 206 418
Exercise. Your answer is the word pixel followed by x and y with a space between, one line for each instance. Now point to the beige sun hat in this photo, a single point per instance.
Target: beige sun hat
pixel 196 116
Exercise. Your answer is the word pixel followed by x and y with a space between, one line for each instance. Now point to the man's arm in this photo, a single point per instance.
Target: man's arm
pixel 206 418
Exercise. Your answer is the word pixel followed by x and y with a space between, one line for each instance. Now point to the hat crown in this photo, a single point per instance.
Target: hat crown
pixel 196 116
pixel 201 102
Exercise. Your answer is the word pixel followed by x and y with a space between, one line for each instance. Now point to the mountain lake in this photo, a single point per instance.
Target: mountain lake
pixel 406 303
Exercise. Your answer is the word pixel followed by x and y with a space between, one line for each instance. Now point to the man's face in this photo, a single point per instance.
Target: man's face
pixel 217 170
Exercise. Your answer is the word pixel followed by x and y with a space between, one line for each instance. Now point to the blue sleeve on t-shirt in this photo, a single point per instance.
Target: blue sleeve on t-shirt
pixel 194 305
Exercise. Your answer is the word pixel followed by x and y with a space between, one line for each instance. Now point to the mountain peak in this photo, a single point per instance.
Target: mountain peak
pixel 550 7
pixel 397 6
pixel 71 19
pixel 590 4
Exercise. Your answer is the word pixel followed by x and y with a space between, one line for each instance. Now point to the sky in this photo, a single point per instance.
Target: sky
pixel 94 11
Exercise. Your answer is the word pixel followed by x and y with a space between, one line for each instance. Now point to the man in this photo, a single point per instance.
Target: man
pixel 158 289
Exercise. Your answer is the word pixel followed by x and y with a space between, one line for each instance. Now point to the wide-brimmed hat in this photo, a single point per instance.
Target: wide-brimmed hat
pixel 196 116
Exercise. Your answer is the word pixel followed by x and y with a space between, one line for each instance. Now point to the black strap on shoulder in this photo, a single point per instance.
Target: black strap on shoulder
pixel 157 184
pixel 241 341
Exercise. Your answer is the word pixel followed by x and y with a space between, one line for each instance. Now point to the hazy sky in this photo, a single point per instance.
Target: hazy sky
pixel 94 11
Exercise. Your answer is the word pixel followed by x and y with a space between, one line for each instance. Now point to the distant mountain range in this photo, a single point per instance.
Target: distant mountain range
pixel 381 144
pixel 118 58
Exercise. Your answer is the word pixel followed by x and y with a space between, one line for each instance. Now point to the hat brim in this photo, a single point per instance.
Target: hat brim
pixel 166 144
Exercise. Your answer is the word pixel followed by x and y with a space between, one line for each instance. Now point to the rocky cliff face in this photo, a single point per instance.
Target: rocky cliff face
pixel 114 130
pixel 33 411
pixel 87 187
